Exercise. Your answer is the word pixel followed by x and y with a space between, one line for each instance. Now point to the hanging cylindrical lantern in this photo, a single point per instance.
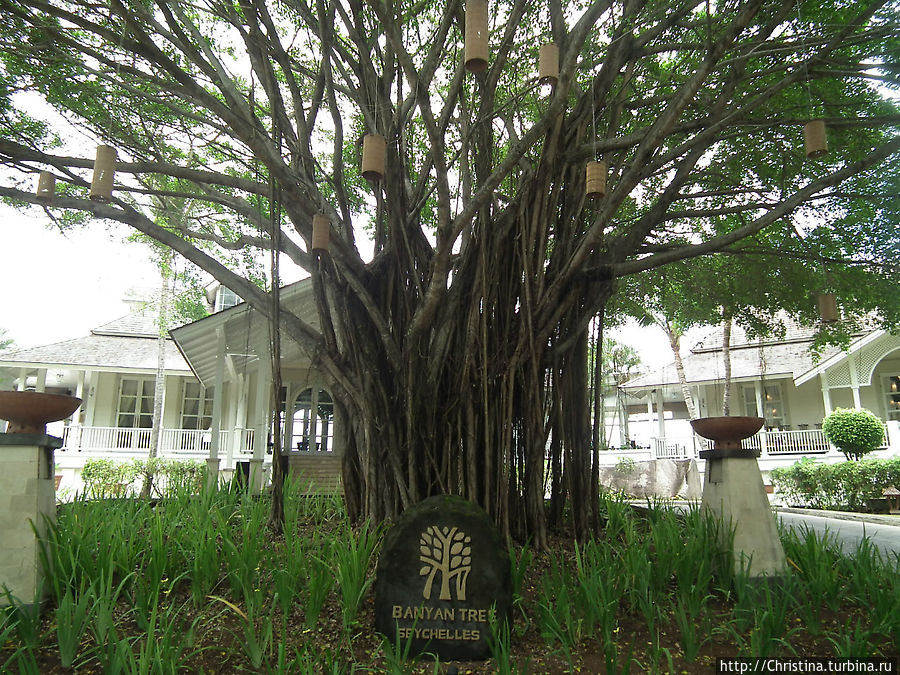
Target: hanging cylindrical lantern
pixel 46 187
pixel 321 232
pixel 104 173
pixel 373 157
pixel 595 179
pixel 815 139
pixel 828 309
pixel 477 49
pixel 548 64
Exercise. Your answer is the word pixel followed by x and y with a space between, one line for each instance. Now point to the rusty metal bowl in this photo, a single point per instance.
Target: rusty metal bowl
pixel 29 412
pixel 727 430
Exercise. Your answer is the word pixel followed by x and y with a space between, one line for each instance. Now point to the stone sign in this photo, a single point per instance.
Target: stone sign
pixel 443 576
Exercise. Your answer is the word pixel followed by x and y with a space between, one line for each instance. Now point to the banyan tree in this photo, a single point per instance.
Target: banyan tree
pixel 462 258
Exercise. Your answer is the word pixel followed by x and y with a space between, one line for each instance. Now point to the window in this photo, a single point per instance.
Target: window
pixel 773 404
pixel 313 423
pixel 225 298
pixel 892 396
pixel 196 406
pixel 135 413
pixel 135 404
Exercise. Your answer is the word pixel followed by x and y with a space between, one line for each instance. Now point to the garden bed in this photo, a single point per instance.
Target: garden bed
pixel 197 584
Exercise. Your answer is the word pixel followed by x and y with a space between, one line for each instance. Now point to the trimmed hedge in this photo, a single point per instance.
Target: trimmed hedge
pixel 846 486
pixel 854 432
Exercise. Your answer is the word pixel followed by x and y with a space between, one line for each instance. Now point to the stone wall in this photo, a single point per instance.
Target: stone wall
pixel 662 478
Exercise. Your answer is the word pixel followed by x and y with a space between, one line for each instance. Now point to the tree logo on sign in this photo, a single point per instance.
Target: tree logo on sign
pixel 446 550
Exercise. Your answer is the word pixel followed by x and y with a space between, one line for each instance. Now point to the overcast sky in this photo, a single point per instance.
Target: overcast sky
pixel 54 286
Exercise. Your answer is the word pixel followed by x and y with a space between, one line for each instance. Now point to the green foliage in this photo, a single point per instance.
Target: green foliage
pixel 122 592
pixel 854 432
pixel 847 485
pixel 625 467
pixel 232 119
pixel 104 478
pixel 107 478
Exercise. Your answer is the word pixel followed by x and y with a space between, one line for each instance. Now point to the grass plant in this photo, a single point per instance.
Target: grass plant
pixel 319 581
pixel 352 558
pixel 72 619
pixel 196 582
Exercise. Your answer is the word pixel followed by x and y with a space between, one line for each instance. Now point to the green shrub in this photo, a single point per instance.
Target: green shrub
pixel 109 478
pixel 847 485
pixel 853 432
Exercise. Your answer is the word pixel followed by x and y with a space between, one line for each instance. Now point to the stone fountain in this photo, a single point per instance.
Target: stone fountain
pixel 27 489
pixel 734 492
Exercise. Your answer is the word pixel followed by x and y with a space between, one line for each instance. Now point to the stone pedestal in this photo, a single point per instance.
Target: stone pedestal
pixel 734 492
pixel 27 502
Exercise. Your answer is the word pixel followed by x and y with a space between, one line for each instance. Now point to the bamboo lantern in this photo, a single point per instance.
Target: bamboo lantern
pixel 104 173
pixel 321 232
pixel 828 309
pixel 477 50
pixel 548 64
pixel 373 157
pixel 595 179
pixel 46 187
pixel 815 139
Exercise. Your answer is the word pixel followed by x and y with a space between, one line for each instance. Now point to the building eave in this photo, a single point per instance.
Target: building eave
pixel 839 357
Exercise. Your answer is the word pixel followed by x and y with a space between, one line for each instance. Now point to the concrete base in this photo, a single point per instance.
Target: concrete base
pixel 662 478
pixel 27 503
pixel 733 490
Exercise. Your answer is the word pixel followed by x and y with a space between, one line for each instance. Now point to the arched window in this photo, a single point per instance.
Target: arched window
pixel 313 423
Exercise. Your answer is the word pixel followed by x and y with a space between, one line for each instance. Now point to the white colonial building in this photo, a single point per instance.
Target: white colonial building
pixel 217 395
pixel 779 379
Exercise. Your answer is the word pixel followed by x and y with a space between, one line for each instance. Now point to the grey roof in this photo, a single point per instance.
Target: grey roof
pixel 140 323
pixel 98 352
pixel 128 343
pixel 790 332
pixel 786 357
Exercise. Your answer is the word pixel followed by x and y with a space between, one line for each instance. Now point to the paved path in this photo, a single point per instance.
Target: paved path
pixel 848 530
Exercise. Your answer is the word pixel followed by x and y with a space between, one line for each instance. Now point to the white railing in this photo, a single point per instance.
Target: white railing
pixel 768 442
pixel 799 442
pixel 664 448
pixel 111 438
pixel 172 442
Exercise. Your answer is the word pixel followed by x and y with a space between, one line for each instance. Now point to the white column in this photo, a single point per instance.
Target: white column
pixel 41 381
pixel 761 412
pixel 826 393
pixel 854 381
pixel 314 419
pixel 290 393
pixel 212 462
pixel 79 415
pixel 239 421
pixel 87 407
pixel 261 433
pixel 661 421
pixel 23 376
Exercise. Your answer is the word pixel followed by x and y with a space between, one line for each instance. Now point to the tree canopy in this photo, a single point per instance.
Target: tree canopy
pixel 455 297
